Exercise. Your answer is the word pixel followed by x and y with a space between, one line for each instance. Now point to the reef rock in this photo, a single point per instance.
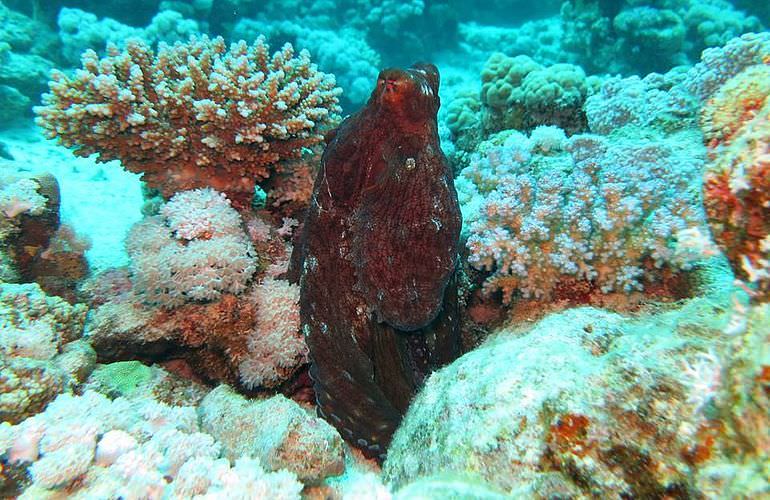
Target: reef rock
pixel 277 431
pixel 595 404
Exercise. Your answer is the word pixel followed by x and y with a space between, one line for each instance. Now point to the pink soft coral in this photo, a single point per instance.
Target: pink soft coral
pixel 276 347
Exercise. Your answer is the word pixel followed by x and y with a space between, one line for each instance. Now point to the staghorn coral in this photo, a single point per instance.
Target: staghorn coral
pixel 193 114
pixel 736 123
pixel 590 209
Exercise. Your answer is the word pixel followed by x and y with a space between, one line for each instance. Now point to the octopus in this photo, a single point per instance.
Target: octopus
pixel 377 259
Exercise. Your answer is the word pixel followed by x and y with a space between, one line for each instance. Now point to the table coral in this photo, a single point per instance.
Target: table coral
pixel 193 114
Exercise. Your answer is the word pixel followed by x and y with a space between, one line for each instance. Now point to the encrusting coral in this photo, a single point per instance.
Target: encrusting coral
pixel 736 124
pixel 41 355
pixel 193 114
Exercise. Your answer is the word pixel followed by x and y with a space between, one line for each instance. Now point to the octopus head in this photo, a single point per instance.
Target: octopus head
pixel 410 93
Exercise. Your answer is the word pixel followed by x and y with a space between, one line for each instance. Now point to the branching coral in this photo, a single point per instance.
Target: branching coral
pixel 586 208
pixel 195 114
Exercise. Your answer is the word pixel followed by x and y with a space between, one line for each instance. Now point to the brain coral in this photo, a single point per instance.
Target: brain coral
pixel 584 209
pixel 193 114
pixel 195 250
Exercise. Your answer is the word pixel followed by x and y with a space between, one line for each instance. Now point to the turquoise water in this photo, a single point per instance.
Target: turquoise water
pixel 384 249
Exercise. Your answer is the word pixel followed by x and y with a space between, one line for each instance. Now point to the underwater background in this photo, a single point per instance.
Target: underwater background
pixel 232 262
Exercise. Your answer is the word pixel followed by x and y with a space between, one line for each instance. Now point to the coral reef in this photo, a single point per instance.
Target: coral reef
pixel 132 448
pixel 276 347
pixel 276 431
pixel 26 49
pixel 193 115
pixel 190 296
pixel 195 250
pixel 635 36
pixel 518 93
pixel 273 320
pixel 719 64
pixel 134 380
pixel 34 245
pixel 211 338
pixel 343 52
pixel 80 31
pixel 655 101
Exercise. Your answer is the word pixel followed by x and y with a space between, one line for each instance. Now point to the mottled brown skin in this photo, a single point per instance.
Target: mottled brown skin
pixel 377 260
